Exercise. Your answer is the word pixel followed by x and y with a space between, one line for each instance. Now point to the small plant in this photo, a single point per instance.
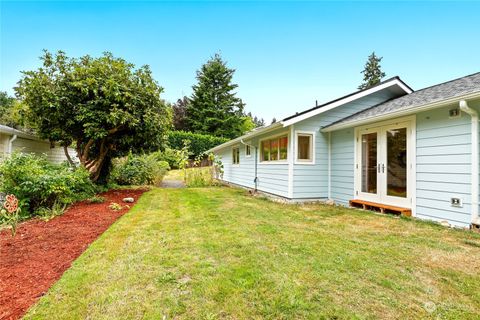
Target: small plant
pixel 217 166
pixel 57 209
pixel 96 199
pixel 115 206
pixel 11 212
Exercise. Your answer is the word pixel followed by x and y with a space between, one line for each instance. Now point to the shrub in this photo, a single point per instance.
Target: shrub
pixel 138 170
pixel 170 156
pixel 199 177
pixel 40 184
pixel 199 143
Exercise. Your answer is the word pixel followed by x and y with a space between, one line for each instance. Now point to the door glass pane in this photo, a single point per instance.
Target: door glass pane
pixel 397 162
pixel 369 162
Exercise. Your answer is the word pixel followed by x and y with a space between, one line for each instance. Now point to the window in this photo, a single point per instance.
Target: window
pixel 236 155
pixel 247 151
pixel 275 149
pixel 304 147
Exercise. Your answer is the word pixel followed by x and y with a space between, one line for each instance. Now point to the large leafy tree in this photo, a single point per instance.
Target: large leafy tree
pixel 372 72
pixel 214 108
pixel 104 107
pixel 12 111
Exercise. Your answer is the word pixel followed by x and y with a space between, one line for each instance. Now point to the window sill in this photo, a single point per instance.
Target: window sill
pixel 310 163
pixel 274 162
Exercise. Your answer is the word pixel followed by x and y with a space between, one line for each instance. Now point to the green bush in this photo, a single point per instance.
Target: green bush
pixel 170 156
pixel 199 143
pixel 41 184
pixel 138 170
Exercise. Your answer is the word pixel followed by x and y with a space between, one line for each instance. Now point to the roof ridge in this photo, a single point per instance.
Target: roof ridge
pixel 439 84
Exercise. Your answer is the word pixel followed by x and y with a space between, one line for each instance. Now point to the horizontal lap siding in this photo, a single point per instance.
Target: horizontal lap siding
pixel 3 145
pixel 310 181
pixel 443 166
pixel 55 155
pixel 342 165
pixel 242 174
pixel 272 178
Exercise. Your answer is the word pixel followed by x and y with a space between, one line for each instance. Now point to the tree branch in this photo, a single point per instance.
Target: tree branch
pixel 65 149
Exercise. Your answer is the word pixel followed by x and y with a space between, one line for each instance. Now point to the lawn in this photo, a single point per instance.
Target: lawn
pixel 217 253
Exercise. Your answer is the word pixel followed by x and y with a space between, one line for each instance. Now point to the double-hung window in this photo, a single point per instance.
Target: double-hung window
pixel 275 149
pixel 236 155
pixel 248 151
pixel 305 153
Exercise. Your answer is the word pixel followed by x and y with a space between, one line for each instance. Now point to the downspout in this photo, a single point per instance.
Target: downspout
pixel 475 163
pixel 329 166
pixel 256 170
pixel 10 144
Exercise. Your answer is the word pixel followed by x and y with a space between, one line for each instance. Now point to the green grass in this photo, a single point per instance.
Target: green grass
pixel 217 253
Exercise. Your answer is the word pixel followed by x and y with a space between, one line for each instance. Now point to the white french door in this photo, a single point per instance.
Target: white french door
pixel 384 164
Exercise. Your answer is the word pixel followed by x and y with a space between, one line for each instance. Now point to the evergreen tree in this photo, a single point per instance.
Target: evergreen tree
pixel 180 113
pixel 372 73
pixel 214 108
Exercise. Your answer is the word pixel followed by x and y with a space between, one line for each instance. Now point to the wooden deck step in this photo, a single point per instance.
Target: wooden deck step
pixel 383 208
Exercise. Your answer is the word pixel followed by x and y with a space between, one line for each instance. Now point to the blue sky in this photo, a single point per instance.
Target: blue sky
pixel 287 54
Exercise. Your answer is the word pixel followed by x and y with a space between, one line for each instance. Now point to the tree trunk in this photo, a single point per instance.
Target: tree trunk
pixel 65 149
pixel 93 165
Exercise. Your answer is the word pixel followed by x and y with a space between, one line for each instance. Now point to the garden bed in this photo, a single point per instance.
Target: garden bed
pixel 41 251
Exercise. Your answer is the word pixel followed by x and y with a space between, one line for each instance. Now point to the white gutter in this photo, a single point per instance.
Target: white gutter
pixel 474 159
pixel 10 144
pixel 400 113
pixel 247 136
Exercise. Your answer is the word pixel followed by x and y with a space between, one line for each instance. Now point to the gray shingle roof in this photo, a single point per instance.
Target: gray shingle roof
pixel 429 95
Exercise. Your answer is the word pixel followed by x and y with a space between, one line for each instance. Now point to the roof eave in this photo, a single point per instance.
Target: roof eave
pixel 400 113
pixel 395 81
pixel 12 131
pixel 249 135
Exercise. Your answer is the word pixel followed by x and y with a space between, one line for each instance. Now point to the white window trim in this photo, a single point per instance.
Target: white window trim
pixel 236 164
pixel 248 146
pixel 300 133
pixel 275 162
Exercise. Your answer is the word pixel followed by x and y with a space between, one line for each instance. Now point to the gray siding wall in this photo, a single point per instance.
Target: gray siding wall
pixel 272 178
pixel 311 181
pixel 55 155
pixel 444 166
pixel 342 165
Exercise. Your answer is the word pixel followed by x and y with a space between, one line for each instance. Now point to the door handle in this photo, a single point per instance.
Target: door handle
pixel 378 168
pixel 383 167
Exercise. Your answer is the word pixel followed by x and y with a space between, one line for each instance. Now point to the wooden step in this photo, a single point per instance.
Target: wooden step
pixel 383 208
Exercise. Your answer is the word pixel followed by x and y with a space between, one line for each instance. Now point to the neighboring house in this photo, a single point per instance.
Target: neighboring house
pixel 386 144
pixel 12 140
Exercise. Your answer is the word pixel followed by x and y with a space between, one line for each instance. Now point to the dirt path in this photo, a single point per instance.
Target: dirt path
pixel 173 184
pixel 41 251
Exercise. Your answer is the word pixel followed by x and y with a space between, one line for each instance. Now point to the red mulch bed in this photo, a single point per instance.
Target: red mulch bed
pixel 41 251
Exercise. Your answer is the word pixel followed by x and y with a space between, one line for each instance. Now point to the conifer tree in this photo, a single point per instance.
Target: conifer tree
pixel 372 72
pixel 214 108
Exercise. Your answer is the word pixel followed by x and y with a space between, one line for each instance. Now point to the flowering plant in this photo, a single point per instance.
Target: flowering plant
pixel 10 212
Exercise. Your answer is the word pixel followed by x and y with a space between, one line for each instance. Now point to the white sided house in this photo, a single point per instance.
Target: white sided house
pixel 388 145
pixel 13 140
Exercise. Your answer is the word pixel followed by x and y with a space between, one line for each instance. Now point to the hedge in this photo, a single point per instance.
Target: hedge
pixel 199 143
